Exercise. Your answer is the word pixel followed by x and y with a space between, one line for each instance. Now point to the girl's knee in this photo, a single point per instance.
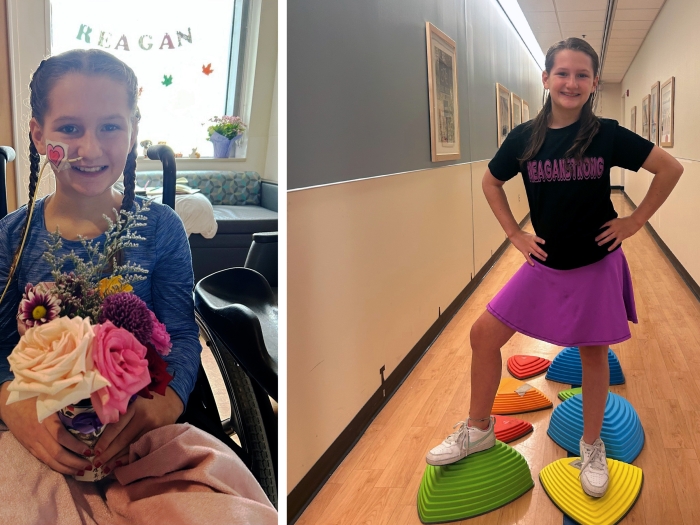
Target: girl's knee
pixel 593 354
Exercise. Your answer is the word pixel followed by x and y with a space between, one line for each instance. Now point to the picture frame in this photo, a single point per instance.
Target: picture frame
pixel 667 101
pixel 654 113
pixel 503 110
pixel 526 111
pixel 633 119
pixel 516 117
pixel 645 117
pixel 442 95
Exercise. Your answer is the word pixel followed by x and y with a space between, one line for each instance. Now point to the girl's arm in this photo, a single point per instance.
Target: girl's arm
pixel 667 171
pixel 525 242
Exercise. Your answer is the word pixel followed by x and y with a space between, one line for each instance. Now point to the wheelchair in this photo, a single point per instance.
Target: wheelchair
pixel 236 310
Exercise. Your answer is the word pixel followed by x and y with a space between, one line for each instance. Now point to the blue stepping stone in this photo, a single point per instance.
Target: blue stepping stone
pixel 566 368
pixel 622 430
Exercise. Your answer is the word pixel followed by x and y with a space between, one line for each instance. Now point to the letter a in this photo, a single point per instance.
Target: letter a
pixel 169 41
pixel 122 42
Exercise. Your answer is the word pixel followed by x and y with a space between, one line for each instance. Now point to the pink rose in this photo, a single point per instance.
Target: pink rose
pixel 121 360
pixel 160 339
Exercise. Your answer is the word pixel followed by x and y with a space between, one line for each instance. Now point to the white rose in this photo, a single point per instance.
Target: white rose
pixel 53 362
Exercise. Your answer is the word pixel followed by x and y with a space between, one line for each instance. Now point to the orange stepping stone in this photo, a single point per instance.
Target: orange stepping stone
pixel 524 366
pixel 515 396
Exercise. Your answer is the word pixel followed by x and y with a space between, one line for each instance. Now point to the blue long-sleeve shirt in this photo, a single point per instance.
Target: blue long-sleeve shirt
pixel 167 289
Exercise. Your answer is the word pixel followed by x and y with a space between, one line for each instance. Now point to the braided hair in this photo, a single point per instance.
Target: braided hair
pixel 590 124
pixel 93 62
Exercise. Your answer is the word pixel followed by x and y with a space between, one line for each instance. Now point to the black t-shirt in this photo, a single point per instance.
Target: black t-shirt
pixel 570 200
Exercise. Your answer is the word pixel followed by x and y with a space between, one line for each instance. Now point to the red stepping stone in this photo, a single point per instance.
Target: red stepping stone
pixel 524 366
pixel 509 429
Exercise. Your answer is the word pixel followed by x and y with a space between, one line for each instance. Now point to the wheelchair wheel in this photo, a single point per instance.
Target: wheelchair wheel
pixel 248 416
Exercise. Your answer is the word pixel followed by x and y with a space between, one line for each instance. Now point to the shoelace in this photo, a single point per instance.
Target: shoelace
pixel 595 460
pixel 452 438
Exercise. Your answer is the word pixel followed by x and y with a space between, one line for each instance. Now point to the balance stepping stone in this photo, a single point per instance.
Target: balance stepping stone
pixel 524 366
pixel 515 396
pixel 509 429
pixel 566 368
pixel 622 430
pixel 571 392
pixel 560 481
pixel 475 485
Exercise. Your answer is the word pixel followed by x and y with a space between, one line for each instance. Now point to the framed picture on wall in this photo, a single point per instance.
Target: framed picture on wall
pixel 526 111
pixel 654 114
pixel 633 119
pixel 517 114
pixel 667 103
pixel 442 94
pixel 503 110
pixel 645 117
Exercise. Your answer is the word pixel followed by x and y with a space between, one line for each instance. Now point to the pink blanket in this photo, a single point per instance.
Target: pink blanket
pixel 177 475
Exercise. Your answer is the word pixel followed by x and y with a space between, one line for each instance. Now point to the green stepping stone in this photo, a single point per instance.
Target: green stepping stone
pixel 475 485
pixel 571 392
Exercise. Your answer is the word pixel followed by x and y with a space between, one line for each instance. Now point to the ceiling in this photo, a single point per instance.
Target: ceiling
pixel 555 20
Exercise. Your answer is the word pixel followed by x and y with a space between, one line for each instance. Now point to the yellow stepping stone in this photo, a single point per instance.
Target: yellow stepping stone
pixel 560 481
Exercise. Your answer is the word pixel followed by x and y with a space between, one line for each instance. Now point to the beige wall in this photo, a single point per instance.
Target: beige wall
pixel 271 163
pixel 6 106
pixel 668 51
pixel 609 106
pixel 370 263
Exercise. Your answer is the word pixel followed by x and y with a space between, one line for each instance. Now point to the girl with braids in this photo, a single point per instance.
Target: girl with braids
pixel 86 99
pixel 575 287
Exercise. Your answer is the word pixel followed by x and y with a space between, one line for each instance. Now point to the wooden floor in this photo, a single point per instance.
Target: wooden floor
pixel 378 481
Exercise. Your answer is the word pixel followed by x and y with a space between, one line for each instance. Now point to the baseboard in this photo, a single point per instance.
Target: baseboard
pixel 304 492
pixel 687 278
pixel 621 188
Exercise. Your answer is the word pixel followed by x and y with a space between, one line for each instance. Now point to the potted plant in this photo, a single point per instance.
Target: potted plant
pixel 224 133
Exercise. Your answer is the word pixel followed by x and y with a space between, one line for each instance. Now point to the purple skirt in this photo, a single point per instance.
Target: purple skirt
pixel 586 306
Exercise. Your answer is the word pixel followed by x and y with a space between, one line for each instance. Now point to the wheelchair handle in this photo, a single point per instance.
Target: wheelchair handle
pixel 165 154
pixel 8 153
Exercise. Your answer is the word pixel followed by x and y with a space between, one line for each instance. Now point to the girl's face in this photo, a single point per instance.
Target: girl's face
pixel 90 114
pixel 571 80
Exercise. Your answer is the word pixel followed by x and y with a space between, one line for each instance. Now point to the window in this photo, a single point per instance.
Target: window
pixel 188 57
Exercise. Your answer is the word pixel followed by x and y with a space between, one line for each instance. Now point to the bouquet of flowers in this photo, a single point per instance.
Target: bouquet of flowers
pixel 89 345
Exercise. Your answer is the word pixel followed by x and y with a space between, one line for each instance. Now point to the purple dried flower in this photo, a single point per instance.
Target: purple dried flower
pixel 128 311
pixel 38 306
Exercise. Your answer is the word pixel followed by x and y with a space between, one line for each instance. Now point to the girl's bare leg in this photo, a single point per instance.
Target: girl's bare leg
pixel 487 336
pixel 596 379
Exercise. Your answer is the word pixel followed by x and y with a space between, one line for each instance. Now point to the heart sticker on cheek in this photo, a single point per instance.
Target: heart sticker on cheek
pixel 56 152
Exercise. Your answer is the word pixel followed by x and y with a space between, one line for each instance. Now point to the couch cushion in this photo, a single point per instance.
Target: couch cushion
pixel 235 188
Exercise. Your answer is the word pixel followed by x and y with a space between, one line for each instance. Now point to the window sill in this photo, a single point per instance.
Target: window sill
pixel 186 163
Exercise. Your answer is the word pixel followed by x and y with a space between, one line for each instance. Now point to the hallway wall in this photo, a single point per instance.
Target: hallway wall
pixel 380 239
pixel 668 51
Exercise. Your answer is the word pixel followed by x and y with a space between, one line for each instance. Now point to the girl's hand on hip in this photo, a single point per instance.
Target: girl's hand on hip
pixel 142 415
pixel 48 441
pixel 617 230
pixel 527 244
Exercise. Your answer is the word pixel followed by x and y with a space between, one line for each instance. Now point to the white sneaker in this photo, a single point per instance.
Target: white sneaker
pixel 594 468
pixel 466 440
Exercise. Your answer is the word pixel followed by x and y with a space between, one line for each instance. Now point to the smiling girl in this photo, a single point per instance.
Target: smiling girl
pixel 86 100
pixel 575 287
